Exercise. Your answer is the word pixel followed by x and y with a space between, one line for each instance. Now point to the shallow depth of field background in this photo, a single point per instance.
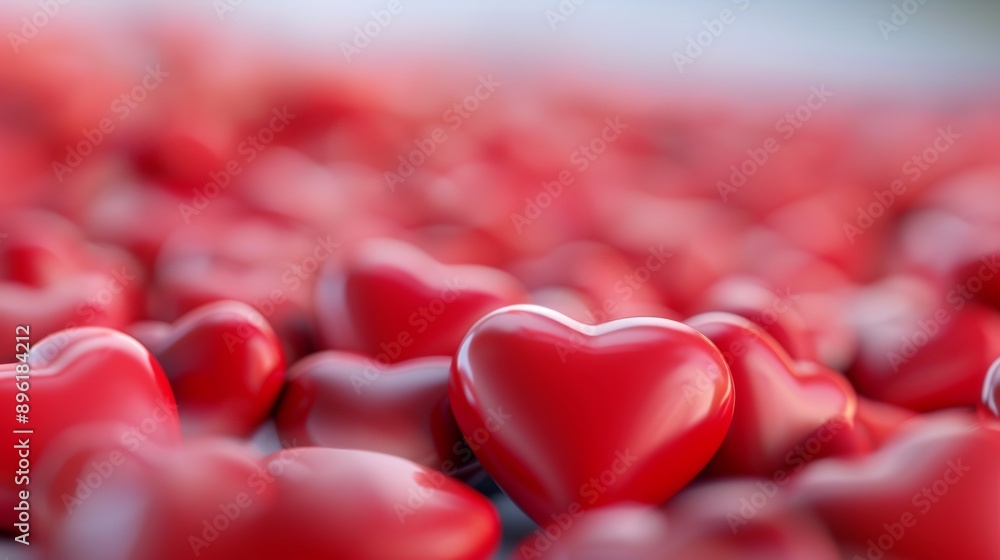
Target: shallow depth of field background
pixel 892 92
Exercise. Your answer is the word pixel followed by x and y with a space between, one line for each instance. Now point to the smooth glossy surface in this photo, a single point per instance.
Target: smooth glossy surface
pixel 567 415
pixel 390 300
pixel 342 400
pixel 929 493
pixel 88 375
pixel 990 404
pixel 226 367
pixel 786 414
pixel 936 362
pixel 217 500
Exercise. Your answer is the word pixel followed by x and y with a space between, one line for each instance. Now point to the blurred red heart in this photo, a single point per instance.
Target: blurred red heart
pixel 567 416
pixel 920 497
pixel 53 279
pixel 746 519
pixel 342 400
pixel 390 300
pixel 910 359
pixel 739 518
pixel 79 377
pixel 217 499
pixel 225 364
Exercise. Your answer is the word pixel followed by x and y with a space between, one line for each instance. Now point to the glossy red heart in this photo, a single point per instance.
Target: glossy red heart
pixel 221 500
pixel 929 493
pixel 786 413
pixel 390 300
pixel 572 416
pixel 90 375
pixel 225 364
pixel 342 400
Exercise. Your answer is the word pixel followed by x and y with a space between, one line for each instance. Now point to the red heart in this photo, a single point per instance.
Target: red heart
pixel 907 355
pixel 226 367
pixel 83 376
pixel 390 300
pixel 568 416
pixel 341 400
pixel 786 414
pixel 220 500
pixel 52 279
pixel 929 493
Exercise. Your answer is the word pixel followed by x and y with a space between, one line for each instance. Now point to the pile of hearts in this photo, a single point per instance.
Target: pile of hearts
pixel 253 307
